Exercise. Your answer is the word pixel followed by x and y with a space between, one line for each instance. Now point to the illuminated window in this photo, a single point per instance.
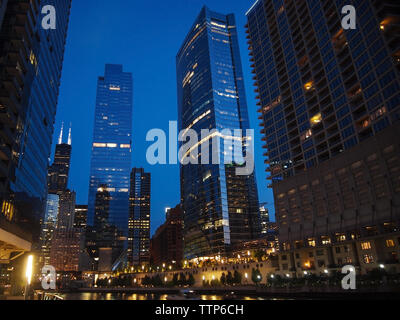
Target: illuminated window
pixel 125 146
pixel 311 242
pixel 366 245
pixel 309 85
pixel 389 243
pixel 306 135
pixel 115 88
pixel 99 145
pixel 111 145
pixel 316 119
pixel 368 258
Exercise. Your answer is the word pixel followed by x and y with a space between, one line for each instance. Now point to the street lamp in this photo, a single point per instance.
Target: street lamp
pixel 28 275
pixel 382 266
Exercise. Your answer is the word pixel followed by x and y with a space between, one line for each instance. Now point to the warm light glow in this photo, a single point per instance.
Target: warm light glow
pixel 309 85
pixel 29 267
pixel 316 119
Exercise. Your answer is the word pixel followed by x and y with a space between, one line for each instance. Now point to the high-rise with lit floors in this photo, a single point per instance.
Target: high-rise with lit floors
pixel 220 207
pixel 31 61
pixel 329 102
pixel 139 217
pixel 111 149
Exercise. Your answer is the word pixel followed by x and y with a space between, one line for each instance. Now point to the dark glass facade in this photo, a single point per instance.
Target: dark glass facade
pixel 322 89
pixel 111 152
pixel 31 64
pixel 59 171
pixel 329 100
pixel 139 217
pixel 220 208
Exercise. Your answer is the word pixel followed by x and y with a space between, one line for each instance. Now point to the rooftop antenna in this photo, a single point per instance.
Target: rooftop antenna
pixel 61 134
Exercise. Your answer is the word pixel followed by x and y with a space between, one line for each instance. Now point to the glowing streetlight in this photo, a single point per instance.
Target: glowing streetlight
pixel 326 271
pixel 272 276
pixel 382 266
pixel 28 275
pixel 288 275
pixel 29 266
pixel 246 275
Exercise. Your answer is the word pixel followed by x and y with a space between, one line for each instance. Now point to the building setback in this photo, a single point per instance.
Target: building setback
pixel 220 207
pixel 330 103
pixel 139 217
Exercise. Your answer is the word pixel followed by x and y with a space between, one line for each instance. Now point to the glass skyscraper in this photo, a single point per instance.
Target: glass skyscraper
pixel 220 208
pixel 31 64
pixel 330 108
pixel 111 152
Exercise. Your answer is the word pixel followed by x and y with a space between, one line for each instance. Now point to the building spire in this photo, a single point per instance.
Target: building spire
pixel 61 134
pixel 69 134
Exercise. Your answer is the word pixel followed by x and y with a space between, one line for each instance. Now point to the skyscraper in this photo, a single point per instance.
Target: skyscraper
pixel 31 63
pixel 220 208
pixel 111 152
pixel 49 226
pixel 330 104
pixel 139 217
pixel 59 171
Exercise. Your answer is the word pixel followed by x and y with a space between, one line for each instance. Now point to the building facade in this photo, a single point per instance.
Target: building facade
pixel 31 63
pixel 330 104
pixel 220 207
pixel 80 221
pixel 58 172
pixel 167 242
pixel 111 151
pixel 139 217
pixel 49 226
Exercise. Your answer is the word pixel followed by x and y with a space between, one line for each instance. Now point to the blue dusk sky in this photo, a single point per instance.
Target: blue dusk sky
pixel 143 36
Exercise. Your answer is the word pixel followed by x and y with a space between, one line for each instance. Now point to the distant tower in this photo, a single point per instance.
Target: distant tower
pixel 111 149
pixel 59 171
pixel 139 217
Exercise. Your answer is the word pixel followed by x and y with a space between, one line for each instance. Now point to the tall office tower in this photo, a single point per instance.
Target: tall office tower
pixel 59 171
pixel 80 220
pixel 30 62
pixel 49 226
pixel 220 208
pixel 330 104
pixel 139 217
pixel 111 152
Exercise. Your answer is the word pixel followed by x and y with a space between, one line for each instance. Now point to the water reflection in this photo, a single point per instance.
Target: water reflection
pixel 139 297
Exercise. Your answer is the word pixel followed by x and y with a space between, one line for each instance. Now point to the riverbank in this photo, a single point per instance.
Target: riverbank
pixel 262 292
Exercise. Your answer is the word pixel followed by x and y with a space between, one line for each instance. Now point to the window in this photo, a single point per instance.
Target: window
pixel 337 249
pixel 389 243
pixel 368 258
pixel 366 245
